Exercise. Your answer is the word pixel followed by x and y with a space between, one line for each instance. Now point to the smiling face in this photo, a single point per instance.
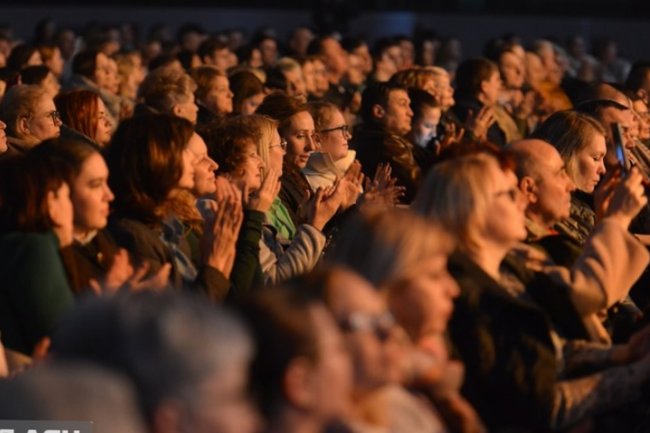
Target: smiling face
pixel 300 136
pixel 91 196
pixel 204 167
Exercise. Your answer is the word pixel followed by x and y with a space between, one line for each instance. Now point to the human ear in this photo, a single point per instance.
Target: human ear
pixel 378 111
pixel 177 110
pixel 23 126
pixel 528 188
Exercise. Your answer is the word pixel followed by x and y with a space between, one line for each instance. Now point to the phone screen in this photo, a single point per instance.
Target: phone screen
pixel 619 148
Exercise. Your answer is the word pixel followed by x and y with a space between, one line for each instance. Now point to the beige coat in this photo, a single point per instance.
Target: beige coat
pixel 611 262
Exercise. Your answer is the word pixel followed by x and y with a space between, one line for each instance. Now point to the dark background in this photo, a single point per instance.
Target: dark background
pixel 571 8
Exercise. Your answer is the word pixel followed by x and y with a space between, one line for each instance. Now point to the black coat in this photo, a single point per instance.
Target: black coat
pixel 375 147
pixel 466 106
pixel 505 344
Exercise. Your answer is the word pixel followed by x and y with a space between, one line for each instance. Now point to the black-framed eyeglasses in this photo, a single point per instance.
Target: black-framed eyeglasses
pixel 55 115
pixel 282 145
pixel 380 326
pixel 345 130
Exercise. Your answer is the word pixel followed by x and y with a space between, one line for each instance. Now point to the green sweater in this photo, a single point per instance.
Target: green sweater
pixel 34 290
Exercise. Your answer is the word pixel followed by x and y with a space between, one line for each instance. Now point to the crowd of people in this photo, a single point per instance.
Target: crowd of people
pixel 213 234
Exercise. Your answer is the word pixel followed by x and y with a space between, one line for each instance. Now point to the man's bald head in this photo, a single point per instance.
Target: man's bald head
pixel 543 180
pixel 530 153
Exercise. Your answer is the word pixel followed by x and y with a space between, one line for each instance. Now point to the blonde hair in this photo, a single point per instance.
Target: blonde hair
pixel 265 127
pixel 455 194
pixel 384 246
pixel 569 132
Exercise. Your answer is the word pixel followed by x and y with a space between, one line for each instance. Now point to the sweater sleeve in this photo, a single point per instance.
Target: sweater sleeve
pixel 299 257
pixel 212 283
pixel 246 273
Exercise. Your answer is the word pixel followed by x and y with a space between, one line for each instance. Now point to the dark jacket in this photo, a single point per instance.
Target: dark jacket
pixel 375 146
pixel 89 261
pixel 247 272
pixel 294 191
pixel 505 344
pixel 465 107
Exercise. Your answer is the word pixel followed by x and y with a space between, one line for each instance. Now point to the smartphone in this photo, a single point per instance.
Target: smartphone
pixel 619 148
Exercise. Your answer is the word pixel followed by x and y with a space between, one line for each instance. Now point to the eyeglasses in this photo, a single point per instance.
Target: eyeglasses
pixel 55 115
pixel 380 325
pixel 512 193
pixel 345 131
pixel 282 145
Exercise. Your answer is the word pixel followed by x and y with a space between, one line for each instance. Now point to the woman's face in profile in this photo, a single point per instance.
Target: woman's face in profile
pixel 588 164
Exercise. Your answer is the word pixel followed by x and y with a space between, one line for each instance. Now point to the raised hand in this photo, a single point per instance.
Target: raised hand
pixel 626 197
pixel 122 276
pixel 480 122
pixel 351 185
pixel 383 191
pixel 323 205
pixel 220 234
pixel 453 135
pixel 262 199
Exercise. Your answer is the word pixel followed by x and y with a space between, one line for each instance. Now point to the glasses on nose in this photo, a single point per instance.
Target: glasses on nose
pixel 380 326
pixel 282 145
pixel 345 131
pixel 512 193
pixel 55 115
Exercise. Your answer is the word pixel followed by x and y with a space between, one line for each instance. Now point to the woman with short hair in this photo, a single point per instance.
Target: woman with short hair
pixel 36 228
pixel 31 117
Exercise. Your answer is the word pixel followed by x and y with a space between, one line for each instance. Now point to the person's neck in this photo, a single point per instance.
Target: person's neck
pixel 540 220
pixel 489 258
pixel 293 420
pixel 84 236
pixel 381 75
